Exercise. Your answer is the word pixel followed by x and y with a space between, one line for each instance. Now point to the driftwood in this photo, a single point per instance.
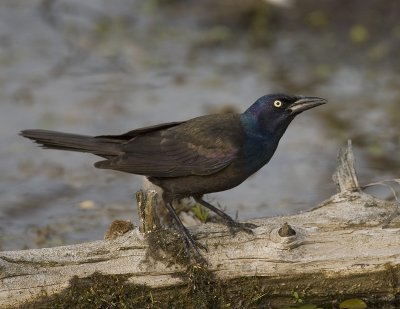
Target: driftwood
pixel 337 250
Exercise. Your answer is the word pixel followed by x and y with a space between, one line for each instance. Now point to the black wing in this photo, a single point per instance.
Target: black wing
pixel 131 134
pixel 201 146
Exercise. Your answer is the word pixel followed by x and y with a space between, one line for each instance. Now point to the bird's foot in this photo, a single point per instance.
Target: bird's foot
pixel 192 246
pixel 195 244
pixel 235 227
pixel 192 249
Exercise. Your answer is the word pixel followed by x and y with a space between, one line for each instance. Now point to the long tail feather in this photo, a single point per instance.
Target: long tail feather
pixel 73 142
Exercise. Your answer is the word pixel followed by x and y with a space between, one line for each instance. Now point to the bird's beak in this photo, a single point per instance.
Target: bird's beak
pixel 304 103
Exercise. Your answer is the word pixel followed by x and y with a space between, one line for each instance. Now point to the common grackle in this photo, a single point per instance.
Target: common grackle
pixel 190 158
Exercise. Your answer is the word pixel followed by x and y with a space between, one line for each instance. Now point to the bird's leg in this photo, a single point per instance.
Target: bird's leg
pixel 232 224
pixel 190 242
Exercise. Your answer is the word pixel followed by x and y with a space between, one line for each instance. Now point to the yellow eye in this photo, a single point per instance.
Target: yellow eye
pixel 278 103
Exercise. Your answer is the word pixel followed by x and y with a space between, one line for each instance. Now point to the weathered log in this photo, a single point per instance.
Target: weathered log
pixel 337 250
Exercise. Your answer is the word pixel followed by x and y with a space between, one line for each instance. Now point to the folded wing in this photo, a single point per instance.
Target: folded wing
pixel 180 149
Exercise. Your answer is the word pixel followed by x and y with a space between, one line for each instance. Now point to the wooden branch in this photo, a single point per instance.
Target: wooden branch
pixel 339 249
pixel 345 175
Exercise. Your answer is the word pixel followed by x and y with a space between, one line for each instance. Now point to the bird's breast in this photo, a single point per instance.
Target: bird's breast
pixel 257 153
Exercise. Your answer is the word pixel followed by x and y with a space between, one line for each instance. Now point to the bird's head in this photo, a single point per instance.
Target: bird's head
pixel 271 114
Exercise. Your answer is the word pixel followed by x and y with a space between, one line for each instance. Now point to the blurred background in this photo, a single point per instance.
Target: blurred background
pixel 106 67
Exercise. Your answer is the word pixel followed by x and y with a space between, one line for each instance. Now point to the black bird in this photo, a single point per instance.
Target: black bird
pixel 190 158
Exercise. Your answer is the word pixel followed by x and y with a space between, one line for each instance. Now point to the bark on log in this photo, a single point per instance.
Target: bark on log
pixel 337 250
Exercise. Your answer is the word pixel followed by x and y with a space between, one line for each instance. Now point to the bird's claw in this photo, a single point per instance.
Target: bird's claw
pixel 192 250
pixel 238 226
pixel 250 225
pixel 200 246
